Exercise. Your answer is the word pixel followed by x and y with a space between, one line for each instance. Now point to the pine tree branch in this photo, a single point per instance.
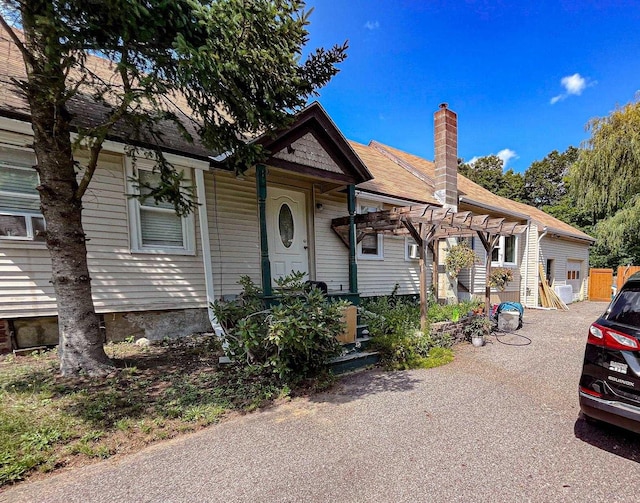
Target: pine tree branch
pixel 28 57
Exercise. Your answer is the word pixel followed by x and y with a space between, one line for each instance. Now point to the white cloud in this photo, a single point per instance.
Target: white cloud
pixel 506 154
pixel 372 25
pixel 573 85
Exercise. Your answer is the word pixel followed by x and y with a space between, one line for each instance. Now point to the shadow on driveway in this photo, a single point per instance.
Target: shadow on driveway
pixel 609 438
pixel 358 385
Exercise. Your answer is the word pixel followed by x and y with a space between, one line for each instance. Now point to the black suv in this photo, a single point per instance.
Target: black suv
pixel 610 382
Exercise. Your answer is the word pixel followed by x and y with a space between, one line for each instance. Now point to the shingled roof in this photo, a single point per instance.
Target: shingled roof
pixel 407 176
pixel 87 113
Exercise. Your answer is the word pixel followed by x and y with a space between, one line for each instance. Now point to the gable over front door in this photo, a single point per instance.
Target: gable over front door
pixel 287 231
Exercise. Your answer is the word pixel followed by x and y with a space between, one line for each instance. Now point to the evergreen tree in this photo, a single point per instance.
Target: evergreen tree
pixel 237 64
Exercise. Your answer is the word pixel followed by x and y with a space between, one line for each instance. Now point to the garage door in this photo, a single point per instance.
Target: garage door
pixel 574 277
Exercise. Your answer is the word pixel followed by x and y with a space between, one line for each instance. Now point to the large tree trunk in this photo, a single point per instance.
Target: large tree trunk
pixel 80 345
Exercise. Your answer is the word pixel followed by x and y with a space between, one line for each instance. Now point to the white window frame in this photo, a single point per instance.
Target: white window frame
pixel 26 215
pixel 501 262
pixel 135 226
pixel 408 241
pixel 367 207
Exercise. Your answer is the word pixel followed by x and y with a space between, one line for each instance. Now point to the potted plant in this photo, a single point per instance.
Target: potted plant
pixel 500 277
pixel 459 257
pixel 476 330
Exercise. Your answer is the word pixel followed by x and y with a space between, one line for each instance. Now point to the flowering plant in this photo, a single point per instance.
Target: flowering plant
pixel 499 277
pixel 459 257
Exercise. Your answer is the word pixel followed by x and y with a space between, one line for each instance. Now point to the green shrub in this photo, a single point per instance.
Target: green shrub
pixel 294 339
pixel 411 351
pixel 478 326
pixel 394 324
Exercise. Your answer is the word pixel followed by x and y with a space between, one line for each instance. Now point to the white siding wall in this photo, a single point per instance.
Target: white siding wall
pixel 561 251
pixel 121 281
pixel 529 268
pixel 332 256
pixel 512 290
pixel 234 230
pixel 379 277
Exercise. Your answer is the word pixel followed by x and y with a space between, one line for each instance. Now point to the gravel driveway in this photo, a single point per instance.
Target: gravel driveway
pixel 499 424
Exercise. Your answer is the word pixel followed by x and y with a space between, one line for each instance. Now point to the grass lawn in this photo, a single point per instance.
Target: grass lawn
pixel 49 422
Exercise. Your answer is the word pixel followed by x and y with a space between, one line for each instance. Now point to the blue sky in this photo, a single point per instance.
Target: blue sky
pixel 523 77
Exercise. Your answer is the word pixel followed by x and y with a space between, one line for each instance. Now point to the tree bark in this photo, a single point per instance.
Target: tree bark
pixel 81 347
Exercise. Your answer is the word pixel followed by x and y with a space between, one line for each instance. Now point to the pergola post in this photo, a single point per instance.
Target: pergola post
pixel 489 242
pixel 424 308
pixel 353 266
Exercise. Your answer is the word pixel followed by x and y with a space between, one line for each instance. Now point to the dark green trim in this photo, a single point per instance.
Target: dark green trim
pixel 265 264
pixel 353 267
pixel 354 298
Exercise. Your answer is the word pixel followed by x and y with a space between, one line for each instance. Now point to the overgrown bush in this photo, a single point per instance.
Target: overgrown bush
pixel 394 324
pixel 294 338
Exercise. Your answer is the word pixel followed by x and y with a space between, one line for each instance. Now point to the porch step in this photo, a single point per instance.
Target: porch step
pixel 353 361
pixel 362 330
pixel 360 344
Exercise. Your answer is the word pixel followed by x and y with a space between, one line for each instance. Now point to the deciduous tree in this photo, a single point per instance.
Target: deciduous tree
pixel 606 182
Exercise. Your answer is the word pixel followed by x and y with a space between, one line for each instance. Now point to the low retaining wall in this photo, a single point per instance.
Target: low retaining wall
pixel 453 328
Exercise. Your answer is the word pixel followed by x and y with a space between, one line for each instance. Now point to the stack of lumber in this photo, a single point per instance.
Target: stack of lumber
pixel 549 298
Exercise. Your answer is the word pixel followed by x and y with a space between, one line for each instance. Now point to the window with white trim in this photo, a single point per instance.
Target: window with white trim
pixel 20 217
pixel 411 249
pixel 155 227
pixel 370 247
pixel 506 251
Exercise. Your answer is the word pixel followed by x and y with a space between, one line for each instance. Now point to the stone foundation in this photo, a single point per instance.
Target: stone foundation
pixel 5 337
pixel 153 325
pixel 156 325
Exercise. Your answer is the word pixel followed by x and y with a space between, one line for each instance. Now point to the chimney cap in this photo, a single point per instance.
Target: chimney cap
pixel 443 105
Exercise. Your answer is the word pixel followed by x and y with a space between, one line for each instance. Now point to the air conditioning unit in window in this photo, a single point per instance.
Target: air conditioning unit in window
pixel 414 251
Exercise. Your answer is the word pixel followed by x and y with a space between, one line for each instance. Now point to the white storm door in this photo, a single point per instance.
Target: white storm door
pixel 287 231
pixel 574 277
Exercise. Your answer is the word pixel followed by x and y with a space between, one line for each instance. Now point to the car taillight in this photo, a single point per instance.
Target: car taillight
pixel 612 339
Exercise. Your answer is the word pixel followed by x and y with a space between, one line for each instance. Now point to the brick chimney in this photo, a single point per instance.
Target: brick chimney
pixel 446 153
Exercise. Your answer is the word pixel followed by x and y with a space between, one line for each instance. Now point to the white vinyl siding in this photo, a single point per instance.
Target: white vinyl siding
pixel 234 230
pixel 562 251
pixel 380 277
pixel 121 281
pixel 331 254
pixel 529 267
pixel 512 290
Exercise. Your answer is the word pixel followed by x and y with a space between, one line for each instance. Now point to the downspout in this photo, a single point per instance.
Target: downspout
pixel 206 250
pixel 526 264
pixel 544 233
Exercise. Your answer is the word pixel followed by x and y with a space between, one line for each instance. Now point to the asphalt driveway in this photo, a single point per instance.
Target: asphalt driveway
pixel 501 423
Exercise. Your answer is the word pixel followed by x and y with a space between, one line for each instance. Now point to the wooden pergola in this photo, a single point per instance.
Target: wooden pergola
pixel 427 224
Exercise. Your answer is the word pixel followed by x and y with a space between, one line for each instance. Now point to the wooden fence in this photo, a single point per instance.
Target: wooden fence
pixel 624 272
pixel 600 283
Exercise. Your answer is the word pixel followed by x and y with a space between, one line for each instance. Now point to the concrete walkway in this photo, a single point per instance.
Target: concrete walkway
pixel 500 424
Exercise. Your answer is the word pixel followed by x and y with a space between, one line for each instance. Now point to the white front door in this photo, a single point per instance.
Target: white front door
pixel 287 231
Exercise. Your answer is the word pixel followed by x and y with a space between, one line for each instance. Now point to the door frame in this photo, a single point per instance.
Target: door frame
pixel 308 219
